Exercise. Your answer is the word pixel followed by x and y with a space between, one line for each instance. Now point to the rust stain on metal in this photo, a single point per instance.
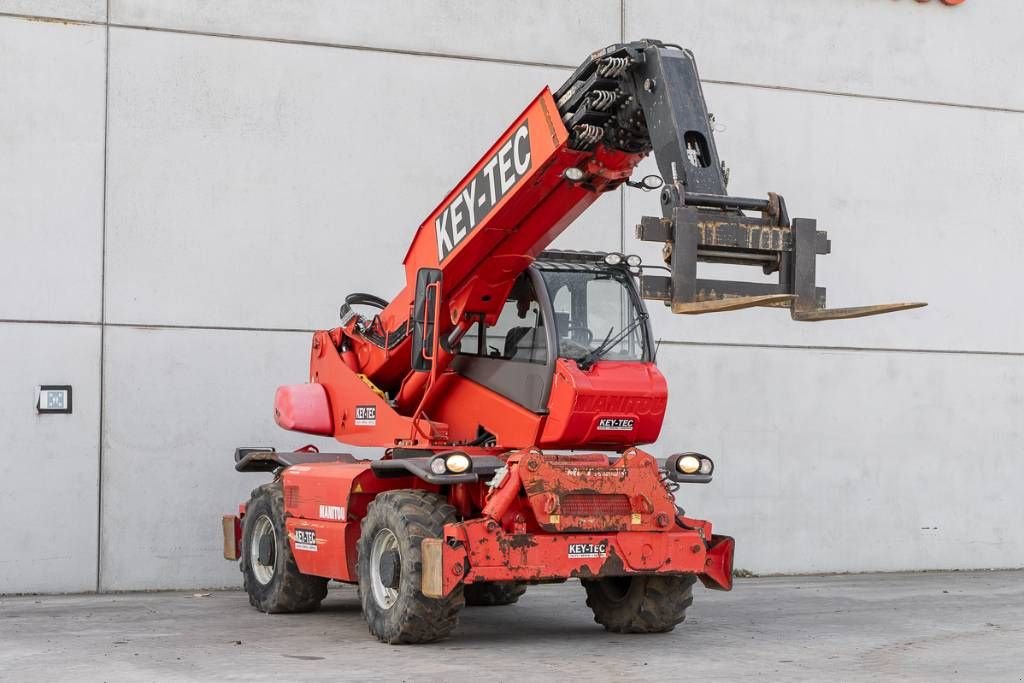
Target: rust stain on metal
pixel 519 541
pixel 613 566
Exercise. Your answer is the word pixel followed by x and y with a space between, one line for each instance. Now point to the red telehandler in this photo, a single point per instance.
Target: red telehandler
pixel 510 387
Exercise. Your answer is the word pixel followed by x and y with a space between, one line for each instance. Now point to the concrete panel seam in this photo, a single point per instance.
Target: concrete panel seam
pixel 664 342
pixel 513 62
pixel 51 20
pixel 29 321
pixel 517 62
pixel 153 326
pixel 224 328
pixel 103 309
pixel 345 46
pixel 863 96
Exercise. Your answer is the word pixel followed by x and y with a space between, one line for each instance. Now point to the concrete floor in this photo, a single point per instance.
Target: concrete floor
pixel 961 625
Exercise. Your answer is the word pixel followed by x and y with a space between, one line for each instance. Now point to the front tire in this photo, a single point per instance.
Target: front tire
pixel 270 576
pixel 391 568
pixel 640 604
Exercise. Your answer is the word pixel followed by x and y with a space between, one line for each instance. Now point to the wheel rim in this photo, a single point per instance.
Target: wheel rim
pixel 262 529
pixel 383 595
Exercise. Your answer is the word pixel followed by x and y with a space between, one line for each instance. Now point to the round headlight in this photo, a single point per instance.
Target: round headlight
pixel 688 464
pixel 573 174
pixel 613 259
pixel 457 463
pixel 437 466
pixel 633 261
pixel 706 466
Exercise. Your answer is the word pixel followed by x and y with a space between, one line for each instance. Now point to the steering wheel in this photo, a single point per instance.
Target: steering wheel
pixel 575 327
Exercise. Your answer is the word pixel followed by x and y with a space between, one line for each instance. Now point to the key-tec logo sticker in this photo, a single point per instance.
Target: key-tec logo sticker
pixel 305 539
pixel 481 194
pixel 366 416
pixel 615 424
pixel 587 551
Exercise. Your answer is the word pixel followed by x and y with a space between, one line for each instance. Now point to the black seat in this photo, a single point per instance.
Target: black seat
pixel 512 339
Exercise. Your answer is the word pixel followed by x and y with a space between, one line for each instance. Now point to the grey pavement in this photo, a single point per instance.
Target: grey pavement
pixel 966 626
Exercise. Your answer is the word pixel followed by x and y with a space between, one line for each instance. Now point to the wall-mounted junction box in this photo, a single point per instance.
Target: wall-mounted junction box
pixel 54 398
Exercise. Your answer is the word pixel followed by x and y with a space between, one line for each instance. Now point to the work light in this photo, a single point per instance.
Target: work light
pixel 688 464
pixel 573 174
pixel 457 463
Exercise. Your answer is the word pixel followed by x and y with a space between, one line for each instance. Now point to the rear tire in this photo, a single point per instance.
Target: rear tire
pixel 640 604
pixel 493 593
pixel 270 576
pixel 391 568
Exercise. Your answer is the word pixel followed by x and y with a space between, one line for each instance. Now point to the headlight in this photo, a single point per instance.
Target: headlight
pixel 689 464
pixel 437 466
pixel 457 463
pixel 693 468
pixel 613 259
pixel 633 261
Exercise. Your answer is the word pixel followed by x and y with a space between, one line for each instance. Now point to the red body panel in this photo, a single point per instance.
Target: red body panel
pixel 610 390
pixel 552 517
pixel 330 499
pixel 493 555
pixel 334 553
pixel 352 398
pixel 626 495
pixel 464 405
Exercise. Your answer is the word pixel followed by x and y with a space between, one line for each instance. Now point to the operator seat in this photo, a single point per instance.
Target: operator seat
pixel 512 339
pixel 526 343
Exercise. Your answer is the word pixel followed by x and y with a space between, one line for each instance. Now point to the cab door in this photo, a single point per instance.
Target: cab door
pixel 515 357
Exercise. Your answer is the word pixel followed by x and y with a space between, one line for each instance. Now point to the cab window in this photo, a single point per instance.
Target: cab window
pixel 595 310
pixel 518 334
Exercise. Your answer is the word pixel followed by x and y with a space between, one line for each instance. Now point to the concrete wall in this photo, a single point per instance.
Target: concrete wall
pixel 187 189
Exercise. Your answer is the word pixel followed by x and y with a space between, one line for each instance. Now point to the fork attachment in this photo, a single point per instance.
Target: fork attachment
pixel 721 233
pixel 701 223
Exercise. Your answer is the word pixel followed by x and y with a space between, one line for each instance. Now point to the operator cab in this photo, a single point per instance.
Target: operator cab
pixel 573 328
pixel 597 311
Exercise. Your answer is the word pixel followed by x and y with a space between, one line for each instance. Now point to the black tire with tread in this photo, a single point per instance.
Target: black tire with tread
pixel 289 590
pixel 411 515
pixel 640 604
pixel 493 593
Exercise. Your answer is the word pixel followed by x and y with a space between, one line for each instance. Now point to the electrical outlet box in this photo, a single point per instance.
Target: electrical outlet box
pixel 54 398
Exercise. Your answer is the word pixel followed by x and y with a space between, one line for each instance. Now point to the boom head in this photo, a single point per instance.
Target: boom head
pixel 646 97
